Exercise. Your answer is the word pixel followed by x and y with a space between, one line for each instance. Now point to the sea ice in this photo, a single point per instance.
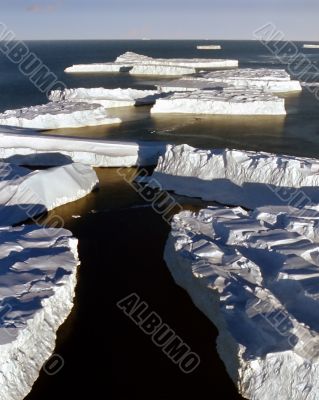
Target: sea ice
pixel 311 46
pixel 209 47
pixel 55 115
pixel 108 98
pixel 25 193
pixel 170 70
pixel 221 101
pixel 238 177
pixel 258 283
pixel 37 284
pixel 97 68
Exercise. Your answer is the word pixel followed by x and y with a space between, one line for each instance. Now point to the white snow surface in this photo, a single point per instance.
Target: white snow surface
pixel 157 69
pixel 311 46
pixel 134 58
pixel 256 277
pixel 221 101
pixel 55 115
pixel 108 98
pixel 25 193
pixel 97 68
pixel 24 147
pixel 209 47
pixel 270 80
pixel 37 284
pixel 237 177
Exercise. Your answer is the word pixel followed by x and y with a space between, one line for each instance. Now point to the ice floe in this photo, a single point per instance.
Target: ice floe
pixel 209 47
pixel 55 115
pixel 238 177
pixel 108 98
pixel 97 68
pixel 170 70
pixel 25 193
pixel 22 147
pixel 256 277
pixel 37 284
pixel 221 101
pixel 271 80
pixel 311 46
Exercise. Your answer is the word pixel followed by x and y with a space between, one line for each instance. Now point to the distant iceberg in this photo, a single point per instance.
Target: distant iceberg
pixel 311 46
pixel 26 194
pixel 108 98
pixel 238 177
pixel 55 115
pixel 25 147
pixel 256 277
pixel 37 285
pixel 209 47
pixel 221 102
pixel 270 80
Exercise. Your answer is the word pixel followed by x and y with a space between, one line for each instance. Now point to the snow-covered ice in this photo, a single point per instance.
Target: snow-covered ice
pixel 97 68
pixel 237 177
pixel 311 46
pixel 37 284
pixel 270 80
pixel 55 115
pixel 209 47
pixel 22 147
pixel 134 58
pixel 25 193
pixel 221 101
pixel 170 70
pixel 108 98
pixel 256 277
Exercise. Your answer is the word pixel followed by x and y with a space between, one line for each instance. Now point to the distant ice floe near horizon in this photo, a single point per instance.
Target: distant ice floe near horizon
pixel 311 46
pixel 270 80
pixel 138 64
pixel 238 177
pixel 26 194
pixel 209 47
pixel 37 285
pixel 255 276
pixel 56 115
pixel 108 98
pixel 25 147
pixel 227 101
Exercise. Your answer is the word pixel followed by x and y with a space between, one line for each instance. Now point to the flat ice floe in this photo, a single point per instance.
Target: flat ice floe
pixel 22 147
pixel 221 101
pixel 237 177
pixel 134 58
pixel 256 277
pixel 55 115
pixel 25 193
pixel 170 70
pixel 209 47
pixel 37 284
pixel 108 98
pixel 270 80
pixel 97 68
pixel 311 46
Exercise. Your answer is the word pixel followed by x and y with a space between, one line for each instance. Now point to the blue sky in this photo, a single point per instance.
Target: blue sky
pixel 158 19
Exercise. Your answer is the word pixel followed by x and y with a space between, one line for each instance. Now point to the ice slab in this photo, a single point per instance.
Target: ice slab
pixel 97 68
pixel 238 177
pixel 37 284
pixel 170 70
pixel 259 285
pixel 270 80
pixel 22 147
pixel 134 58
pixel 209 47
pixel 221 101
pixel 311 46
pixel 108 98
pixel 25 193
pixel 55 115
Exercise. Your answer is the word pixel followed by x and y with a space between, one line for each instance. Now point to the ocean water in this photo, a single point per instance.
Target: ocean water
pixel 121 245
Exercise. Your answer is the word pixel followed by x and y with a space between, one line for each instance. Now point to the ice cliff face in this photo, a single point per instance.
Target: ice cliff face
pixel 238 177
pixel 256 276
pixel 37 283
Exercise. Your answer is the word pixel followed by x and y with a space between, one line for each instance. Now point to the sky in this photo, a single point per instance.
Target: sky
pixel 158 19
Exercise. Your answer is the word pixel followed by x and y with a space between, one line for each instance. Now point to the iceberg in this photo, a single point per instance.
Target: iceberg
pixel 257 281
pixel 37 284
pixel 97 68
pixel 108 98
pixel 25 147
pixel 209 47
pixel 170 70
pixel 221 102
pixel 270 80
pixel 25 193
pixel 56 115
pixel 130 58
pixel 311 46
pixel 237 177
